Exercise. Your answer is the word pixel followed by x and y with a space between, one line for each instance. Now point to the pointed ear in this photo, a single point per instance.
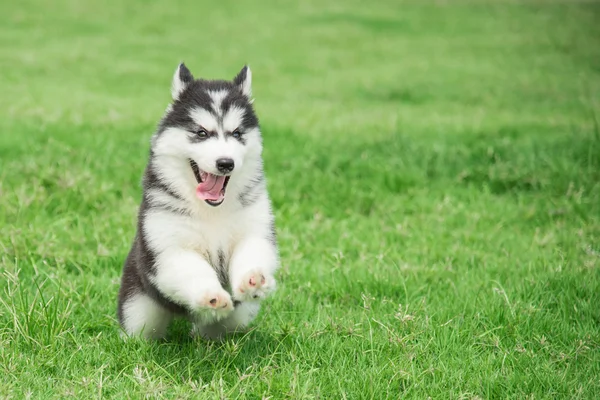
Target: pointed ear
pixel 243 80
pixel 182 78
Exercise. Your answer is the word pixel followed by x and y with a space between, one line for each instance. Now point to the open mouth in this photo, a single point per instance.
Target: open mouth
pixel 211 188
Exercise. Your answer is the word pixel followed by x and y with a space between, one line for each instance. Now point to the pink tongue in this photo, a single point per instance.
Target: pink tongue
pixel 210 188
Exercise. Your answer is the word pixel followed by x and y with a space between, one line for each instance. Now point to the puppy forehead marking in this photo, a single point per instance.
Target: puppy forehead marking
pixel 233 119
pixel 205 119
pixel 217 97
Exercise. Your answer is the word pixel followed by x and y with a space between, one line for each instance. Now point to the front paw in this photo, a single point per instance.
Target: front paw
pixel 254 285
pixel 213 304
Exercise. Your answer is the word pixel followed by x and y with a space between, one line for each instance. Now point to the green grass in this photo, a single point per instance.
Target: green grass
pixel 434 167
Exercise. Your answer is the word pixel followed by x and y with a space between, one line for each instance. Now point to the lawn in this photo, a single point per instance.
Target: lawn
pixel 434 168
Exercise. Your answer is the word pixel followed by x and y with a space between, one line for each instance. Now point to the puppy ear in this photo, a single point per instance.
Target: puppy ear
pixel 243 80
pixel 182 78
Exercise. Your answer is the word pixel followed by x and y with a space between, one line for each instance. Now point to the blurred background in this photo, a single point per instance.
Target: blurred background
pixel 434 167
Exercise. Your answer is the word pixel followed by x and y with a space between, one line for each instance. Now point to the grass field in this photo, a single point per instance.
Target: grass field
pixel 434 167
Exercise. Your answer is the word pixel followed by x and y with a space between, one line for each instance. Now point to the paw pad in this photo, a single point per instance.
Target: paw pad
pixel 216 300
pixel 254 285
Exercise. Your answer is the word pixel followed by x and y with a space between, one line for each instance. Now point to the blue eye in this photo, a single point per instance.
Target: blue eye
pixel 236 134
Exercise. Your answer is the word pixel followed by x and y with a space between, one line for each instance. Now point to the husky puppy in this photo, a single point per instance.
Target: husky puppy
pixel 205 244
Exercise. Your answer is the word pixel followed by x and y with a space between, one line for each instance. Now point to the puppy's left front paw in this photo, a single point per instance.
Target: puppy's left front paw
pixel 254 285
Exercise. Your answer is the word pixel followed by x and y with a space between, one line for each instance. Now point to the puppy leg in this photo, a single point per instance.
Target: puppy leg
pixel 251 269
pixel 142 316
pixel 186 278
pixel 237 321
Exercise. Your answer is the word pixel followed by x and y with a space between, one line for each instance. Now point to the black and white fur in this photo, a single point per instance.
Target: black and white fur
pixel 212 263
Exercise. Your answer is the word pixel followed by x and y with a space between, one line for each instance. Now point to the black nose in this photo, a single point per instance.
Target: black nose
pixel 225 165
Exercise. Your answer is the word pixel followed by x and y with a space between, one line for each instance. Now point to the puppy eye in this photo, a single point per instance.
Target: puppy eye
pixel 201 132
pixel 237 134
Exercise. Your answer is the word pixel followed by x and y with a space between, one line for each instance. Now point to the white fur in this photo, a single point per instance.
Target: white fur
pixel 184 243
pixel 251 254
pixel 173 149
pixel 240 318
pixel 177 85
pixel 247 84
pixel 145 317
pixel 233 119
pixel 217 98
pixel 160 198
pixel 205 119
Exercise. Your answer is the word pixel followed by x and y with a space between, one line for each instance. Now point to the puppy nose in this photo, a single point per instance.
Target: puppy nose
pixel 225 165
